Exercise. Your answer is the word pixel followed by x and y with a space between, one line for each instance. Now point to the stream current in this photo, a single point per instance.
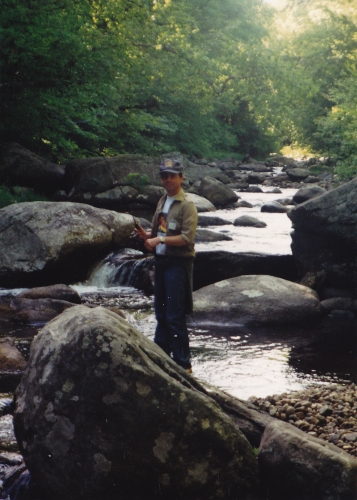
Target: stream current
pixel 244 362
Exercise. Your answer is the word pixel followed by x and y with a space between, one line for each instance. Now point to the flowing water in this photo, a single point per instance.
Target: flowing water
pixel 244 362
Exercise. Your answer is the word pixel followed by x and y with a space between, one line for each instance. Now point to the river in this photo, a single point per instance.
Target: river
pixel 244 362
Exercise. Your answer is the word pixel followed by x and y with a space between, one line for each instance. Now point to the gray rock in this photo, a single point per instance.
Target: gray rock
pixel 213 266
pixel 102 412
pixel 254 189
pixel 325 235
pixel 297 174
pixel 253 300
pixel 207 236
pixel 12 364
pixel 244 204
pixel 216 192
pixel 205 221
pixel 307 193
pixel 340 303
pixel 37 310
pixel 306 467
pixel 201 203
pixel 59 292
pixel 247 221
pixel 21 167
pixel 274 207
pixel 48 242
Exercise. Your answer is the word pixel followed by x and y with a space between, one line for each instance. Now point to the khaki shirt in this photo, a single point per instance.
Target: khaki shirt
pixel 183 217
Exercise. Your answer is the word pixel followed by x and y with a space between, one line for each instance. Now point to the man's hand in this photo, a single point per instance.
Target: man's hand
pixel 151 243
pixel 142 234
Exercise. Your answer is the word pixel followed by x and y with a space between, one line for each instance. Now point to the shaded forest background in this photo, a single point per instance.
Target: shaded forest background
pixel 205 77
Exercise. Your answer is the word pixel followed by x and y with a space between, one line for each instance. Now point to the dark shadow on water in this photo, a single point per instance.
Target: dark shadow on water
pixel 323 353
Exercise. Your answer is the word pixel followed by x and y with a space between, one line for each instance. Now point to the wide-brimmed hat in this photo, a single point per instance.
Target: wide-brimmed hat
pixel 172 166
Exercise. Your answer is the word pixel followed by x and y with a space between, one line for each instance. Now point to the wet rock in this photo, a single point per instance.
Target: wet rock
pixel 244 204
pixel 339 303
pixel 37 310
pixel 274 207
pixel 115 417
pixel 43 243
pixel 255 300
pixel 307 193
pixel 247 221
pixel 324 236
pixel 204 221
pixel 216 192
pixel 305 466
pixel 253 189
pixel 12 366
pixel 297 174
pixel 59 292
pixel 206 236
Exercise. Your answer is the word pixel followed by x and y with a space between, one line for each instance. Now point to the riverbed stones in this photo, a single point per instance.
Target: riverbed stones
pixel 42 243
pixel 102 412
pixel 201 203
pixel 254 300
pixel 305 466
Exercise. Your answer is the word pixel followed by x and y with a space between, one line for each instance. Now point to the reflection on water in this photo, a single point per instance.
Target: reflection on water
pixel 266 361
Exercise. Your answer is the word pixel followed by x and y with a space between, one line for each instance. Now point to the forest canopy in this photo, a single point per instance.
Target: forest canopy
pixel 205 77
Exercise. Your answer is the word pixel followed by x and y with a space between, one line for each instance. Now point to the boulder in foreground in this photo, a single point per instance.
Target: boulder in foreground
pixel 253 299
pixel 102 412
pixel 307 467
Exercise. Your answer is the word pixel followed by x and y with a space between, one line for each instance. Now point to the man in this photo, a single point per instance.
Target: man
pixel 172 240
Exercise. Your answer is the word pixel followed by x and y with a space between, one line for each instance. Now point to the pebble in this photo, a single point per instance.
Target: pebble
pixel 327 412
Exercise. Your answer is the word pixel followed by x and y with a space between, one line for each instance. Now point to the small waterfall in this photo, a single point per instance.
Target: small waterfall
pixel 127 268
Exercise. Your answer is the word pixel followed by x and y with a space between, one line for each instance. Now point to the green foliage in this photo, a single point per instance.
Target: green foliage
pixel 137 180
pixel 8 196
pixel 133 77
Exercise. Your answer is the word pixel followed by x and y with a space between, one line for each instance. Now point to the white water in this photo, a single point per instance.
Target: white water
pixel 273 239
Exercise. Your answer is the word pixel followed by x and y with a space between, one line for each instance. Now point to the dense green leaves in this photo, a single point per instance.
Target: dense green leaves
pixel 205 77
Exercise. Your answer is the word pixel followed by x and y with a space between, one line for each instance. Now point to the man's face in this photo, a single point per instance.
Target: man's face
pixel 171 182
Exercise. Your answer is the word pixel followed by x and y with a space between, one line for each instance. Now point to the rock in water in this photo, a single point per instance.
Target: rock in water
pixel 103 413
pixel 255 300
pixel 43 243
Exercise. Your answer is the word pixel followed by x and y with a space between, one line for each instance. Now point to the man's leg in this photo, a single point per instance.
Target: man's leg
pixel 162 334
pixel 175 279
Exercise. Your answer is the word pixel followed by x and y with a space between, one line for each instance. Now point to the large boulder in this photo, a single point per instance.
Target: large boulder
pixel 96 175
pixel 306 467
pixel 102 412
pixel 255 300
pixel 213 266
pixel 324 236
pixel 201 203
pixel 297 174
pixel 216 192
pixel 43 243
pixel 21 167
pixel 307 193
